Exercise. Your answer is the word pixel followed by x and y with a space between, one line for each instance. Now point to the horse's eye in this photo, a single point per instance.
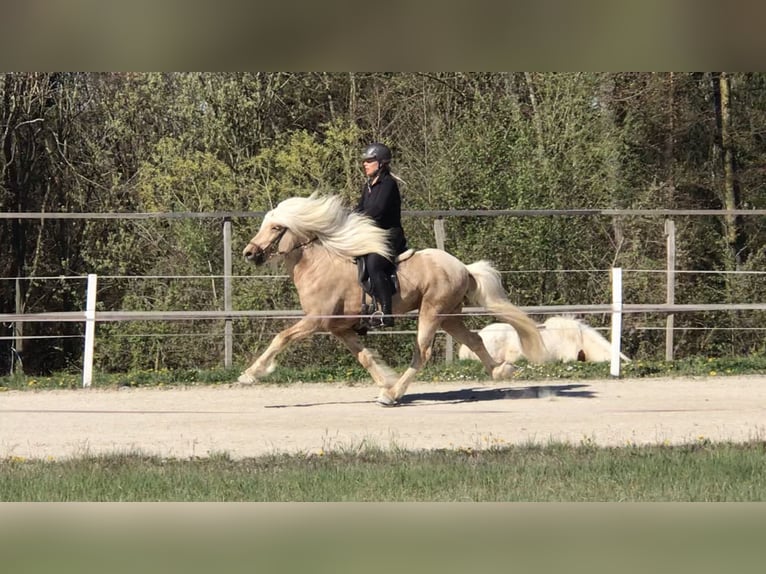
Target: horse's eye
pixel 276 228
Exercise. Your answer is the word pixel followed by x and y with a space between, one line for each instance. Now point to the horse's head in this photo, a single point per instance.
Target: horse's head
pixel 276 236
pixel 266 242
pixel 299 221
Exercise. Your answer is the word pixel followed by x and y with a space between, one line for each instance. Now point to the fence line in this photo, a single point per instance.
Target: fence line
pixel 91 316
pixel 502 272
pixel 440 213
pixel 284 314
pixel 29 337
pixel 617 308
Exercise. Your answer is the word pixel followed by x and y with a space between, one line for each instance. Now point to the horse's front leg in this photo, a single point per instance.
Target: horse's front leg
pixel 266 363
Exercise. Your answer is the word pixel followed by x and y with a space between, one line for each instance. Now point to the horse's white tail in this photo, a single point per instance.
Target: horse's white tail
pixel 566 338
pixel 487 291
pixel 596 347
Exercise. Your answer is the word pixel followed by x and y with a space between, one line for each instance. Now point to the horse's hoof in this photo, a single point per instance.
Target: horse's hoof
pixel 245 379
pixel 504 371
pixel 385 401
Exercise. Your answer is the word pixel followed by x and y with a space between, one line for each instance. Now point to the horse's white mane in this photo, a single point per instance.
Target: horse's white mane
pixel 345 233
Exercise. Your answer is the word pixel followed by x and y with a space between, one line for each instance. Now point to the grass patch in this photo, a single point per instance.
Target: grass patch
pixel 435 371
pixel 702 471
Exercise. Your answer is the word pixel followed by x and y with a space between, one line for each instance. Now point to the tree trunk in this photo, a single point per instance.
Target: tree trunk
pixel 670 151
pixel 12 177
pixel 536 119
pixel 731 193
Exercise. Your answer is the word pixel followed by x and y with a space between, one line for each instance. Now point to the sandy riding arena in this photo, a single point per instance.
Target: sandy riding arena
pixel 312 418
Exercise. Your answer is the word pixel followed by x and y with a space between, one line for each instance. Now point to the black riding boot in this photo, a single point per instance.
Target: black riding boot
pixel 380 269
pixel 387 320
pixel 384 296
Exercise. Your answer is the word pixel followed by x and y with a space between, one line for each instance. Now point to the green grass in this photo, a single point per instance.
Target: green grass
pixel 702 471
pixel 436 371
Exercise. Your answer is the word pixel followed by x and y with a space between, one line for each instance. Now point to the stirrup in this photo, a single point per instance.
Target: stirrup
pixel 379 320
pixel 365 321
pixel 376 319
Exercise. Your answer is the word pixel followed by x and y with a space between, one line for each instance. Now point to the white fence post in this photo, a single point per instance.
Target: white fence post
pixel 90 331
pixel 18 332
pixel 614 368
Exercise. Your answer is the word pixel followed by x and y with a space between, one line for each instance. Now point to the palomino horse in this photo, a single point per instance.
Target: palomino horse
pixel 319 239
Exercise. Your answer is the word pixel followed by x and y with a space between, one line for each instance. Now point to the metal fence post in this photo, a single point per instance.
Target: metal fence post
pixel 670 287
pixel 227 329
pixel 440 235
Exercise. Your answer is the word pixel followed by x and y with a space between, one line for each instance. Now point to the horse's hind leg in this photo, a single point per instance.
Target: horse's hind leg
pixel 455 327
pixel 428 323
pixel 265 364
pixel 381 373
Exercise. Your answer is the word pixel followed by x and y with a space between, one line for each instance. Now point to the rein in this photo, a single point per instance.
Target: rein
pixel 304 244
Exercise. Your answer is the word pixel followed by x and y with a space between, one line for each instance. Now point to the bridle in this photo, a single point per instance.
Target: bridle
pixel 272 248
pixel 276 240
pixel 299 246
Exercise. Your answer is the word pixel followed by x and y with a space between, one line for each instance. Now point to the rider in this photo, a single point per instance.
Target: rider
pixel 381 201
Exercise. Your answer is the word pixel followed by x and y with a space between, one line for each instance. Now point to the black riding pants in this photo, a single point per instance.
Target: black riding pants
pixel 380 270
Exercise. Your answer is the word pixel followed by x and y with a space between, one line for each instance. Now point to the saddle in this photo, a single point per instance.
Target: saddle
pixel 370 310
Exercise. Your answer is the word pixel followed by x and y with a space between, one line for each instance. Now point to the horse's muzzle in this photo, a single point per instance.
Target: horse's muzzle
pixel 254 254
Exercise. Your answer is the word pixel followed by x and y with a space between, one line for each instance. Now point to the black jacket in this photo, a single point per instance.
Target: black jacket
pixel 383 204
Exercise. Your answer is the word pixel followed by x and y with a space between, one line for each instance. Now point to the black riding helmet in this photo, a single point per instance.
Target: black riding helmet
pixel 378 152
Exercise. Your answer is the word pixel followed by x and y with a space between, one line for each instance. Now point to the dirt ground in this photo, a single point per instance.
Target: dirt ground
pixel 311 418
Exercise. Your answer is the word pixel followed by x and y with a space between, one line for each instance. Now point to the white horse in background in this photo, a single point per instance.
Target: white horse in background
pixel 566 339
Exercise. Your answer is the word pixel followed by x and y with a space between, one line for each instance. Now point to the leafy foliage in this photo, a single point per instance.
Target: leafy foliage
pixel 199 142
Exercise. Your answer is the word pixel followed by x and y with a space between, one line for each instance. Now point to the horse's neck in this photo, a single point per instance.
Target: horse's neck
pixel 310 265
